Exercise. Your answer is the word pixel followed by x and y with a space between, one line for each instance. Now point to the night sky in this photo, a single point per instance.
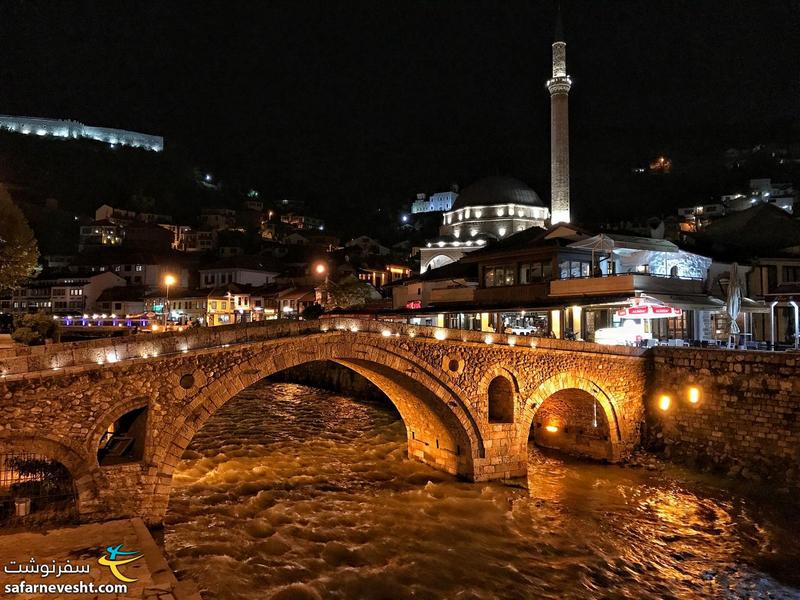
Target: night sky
pixel 356 102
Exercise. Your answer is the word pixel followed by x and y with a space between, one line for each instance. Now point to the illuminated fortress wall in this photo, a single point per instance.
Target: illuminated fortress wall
pixel 75 130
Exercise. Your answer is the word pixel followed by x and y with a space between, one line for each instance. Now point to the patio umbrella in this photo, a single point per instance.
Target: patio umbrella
pixel 599 243
pixel 733 302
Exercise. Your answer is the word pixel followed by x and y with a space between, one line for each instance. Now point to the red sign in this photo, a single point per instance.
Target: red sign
pixel 650 310
pixel 415 304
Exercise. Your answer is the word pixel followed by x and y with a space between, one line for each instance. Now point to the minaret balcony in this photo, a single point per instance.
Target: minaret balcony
pixel 559 85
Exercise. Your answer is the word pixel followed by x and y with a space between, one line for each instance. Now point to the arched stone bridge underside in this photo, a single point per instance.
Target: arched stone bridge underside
pixel 469 403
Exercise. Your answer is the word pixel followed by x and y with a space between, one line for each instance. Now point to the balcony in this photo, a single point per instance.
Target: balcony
pixel 625 283
pixel 511 294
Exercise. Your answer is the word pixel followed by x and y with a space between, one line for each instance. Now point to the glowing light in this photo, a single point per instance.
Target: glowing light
pixel 551 428
pixel 488 339
pixel 386 333
pixel 502 231
pixel 169 280
pixel 664 401
pixel 354 329
pixel 323 329
pixel 512 341
pixel 320 269
pixel 440 334
pixel 155 327
pixel 412 333
pixel 694 395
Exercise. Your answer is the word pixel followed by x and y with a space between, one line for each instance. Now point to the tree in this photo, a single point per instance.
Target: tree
pixel 18 249
pixel 312 311
pixel 349 292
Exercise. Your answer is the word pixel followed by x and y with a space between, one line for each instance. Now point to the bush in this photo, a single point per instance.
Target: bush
pixel 34 329
pixel 27 336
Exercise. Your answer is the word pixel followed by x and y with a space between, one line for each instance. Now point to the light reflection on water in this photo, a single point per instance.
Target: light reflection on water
pixel 293 491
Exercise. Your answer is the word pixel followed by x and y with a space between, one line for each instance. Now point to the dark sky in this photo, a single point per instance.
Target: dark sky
pixel 384 98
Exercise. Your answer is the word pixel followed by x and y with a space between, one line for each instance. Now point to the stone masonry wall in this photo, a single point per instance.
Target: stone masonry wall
pixel 747 420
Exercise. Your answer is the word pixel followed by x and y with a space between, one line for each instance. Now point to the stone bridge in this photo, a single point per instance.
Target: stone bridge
pixel 470 401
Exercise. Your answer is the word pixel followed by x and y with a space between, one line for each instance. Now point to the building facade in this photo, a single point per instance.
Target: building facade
pixel 438 202
pixel 67 129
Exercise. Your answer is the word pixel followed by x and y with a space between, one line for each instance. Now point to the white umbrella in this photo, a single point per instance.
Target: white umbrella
pixel 598 243
pixel 733 302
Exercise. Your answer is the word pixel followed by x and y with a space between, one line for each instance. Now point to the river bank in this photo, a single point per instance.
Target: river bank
pixel 83 546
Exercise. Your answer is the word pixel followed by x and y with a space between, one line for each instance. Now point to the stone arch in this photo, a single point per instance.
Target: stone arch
pixel 110 416
pixel 87 478
pixel 494 375
pixel 500 400
pixel 563 382
pixel 449 438
pixel 440 260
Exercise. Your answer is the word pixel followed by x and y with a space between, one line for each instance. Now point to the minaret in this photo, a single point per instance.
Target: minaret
pixel 558 87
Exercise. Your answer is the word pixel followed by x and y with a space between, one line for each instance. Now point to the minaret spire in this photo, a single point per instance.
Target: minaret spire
pixel 559 87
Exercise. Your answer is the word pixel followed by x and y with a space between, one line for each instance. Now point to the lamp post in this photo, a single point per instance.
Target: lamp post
pixel 321 268
pixel 168 281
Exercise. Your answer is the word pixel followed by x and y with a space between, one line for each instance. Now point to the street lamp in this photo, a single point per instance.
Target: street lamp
pixel 168 281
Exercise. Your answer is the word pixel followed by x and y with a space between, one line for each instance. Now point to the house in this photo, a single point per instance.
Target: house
pixel 122 300
pixel 100 233
pixel 368 245
pixel 136 267
pixel 222 305
pixel 765 242
pixel 292 301
pixel 218 219
pixel 241 270
pixel 63 292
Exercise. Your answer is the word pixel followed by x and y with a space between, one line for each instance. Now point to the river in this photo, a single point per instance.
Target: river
pixel 294 492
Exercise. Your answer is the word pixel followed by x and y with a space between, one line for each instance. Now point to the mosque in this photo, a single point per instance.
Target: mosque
pixel 496 207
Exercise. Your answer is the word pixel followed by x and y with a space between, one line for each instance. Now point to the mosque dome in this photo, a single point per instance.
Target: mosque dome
pixel 497 190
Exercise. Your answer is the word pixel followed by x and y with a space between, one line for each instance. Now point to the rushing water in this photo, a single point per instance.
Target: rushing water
pixel 293 492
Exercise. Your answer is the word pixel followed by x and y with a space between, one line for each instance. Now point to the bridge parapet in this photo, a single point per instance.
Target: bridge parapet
pixel 18 362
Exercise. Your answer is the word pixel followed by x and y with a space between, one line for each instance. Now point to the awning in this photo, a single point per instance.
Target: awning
pixel 709 303
pixel 688 302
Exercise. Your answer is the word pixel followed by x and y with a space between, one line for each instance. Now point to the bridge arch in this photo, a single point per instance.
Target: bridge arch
pixel 566 399
pixel 87 477
pixel 441 430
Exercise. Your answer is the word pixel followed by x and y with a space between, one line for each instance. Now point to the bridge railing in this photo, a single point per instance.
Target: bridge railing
pixel 392 329
pixel 31 359
pixel 55 357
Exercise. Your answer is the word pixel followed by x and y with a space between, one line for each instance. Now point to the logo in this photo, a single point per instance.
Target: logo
pixel 112 562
